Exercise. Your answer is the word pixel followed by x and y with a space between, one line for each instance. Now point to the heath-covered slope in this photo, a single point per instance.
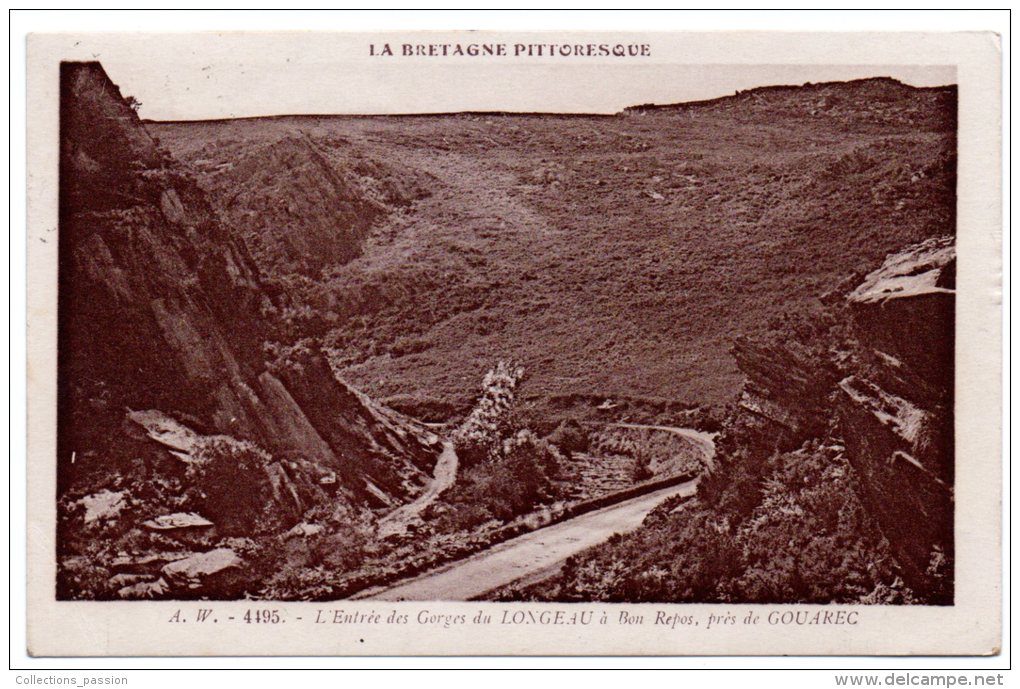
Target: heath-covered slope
pixel 164 326
pixel 615 257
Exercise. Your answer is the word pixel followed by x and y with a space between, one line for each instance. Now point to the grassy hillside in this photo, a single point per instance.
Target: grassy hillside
pixel 615 257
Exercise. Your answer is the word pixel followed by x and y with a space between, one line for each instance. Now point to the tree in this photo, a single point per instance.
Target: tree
pixel 491 420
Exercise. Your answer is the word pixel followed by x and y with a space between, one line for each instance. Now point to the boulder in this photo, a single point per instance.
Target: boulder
pixel 145 561
pixel 178 520
pixel 304 530
pixel 173 209
pixel 181 442
pixel 123 580
pixel 145 589
pixel 201 570
pixel 907 307
pixel 105 505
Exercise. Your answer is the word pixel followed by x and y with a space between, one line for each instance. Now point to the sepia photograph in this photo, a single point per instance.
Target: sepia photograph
pixel 687 352
pixel 512 320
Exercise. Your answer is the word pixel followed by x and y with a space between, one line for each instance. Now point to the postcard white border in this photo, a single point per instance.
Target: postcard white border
pixel 972 626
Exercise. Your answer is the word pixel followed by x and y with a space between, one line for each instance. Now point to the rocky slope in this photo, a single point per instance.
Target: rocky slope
pixel 300 203
pixel 883 389
pixel 173 362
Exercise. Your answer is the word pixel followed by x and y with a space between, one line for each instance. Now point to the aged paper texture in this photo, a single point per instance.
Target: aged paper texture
pixel 482 343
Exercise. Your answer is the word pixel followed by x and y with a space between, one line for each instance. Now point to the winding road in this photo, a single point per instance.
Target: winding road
pixel 533 556
pixel 705 440
pixel 528 555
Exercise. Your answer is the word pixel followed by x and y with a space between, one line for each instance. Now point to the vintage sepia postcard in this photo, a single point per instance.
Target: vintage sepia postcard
pixel 503 343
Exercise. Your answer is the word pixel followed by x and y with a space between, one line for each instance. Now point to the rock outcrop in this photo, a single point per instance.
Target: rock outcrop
pixel 896 409
pixel 196 570
pixel 786 385
pixel 161 309
pixel 874 379
pixel 866 102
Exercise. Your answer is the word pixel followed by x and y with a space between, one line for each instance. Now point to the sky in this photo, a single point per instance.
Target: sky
pixel 210 76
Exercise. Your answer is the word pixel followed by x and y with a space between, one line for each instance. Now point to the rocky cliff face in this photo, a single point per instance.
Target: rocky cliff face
pixel 896 407
pixel 877 383
pixel 786 386
pixel 162 309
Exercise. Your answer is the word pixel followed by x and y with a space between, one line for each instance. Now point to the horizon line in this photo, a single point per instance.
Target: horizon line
pixel 536 113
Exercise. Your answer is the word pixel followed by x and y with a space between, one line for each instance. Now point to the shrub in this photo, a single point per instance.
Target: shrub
pixel 684 558
pixel 523 474
pixel 510 482
pixel 570 437
pixel 231 487
pixel 642 468
pixel 341 550
pixel 462 516
pixel 810 539
pixel 82 578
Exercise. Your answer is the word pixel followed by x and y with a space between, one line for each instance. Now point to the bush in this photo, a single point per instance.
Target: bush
pixel 231 487
pixel 523 475
pixel 799 534
pixel 463 515
pixel 312 566
pixel 340 551
pixel 642 468
pixel 509 483
pixel 681 559
pixel 570 437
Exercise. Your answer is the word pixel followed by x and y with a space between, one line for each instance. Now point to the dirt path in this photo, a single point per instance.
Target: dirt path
pixel 443 477
pixel 705 440
pixel 533 556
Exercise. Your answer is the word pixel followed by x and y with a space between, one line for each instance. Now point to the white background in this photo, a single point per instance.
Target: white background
pixel 23 22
